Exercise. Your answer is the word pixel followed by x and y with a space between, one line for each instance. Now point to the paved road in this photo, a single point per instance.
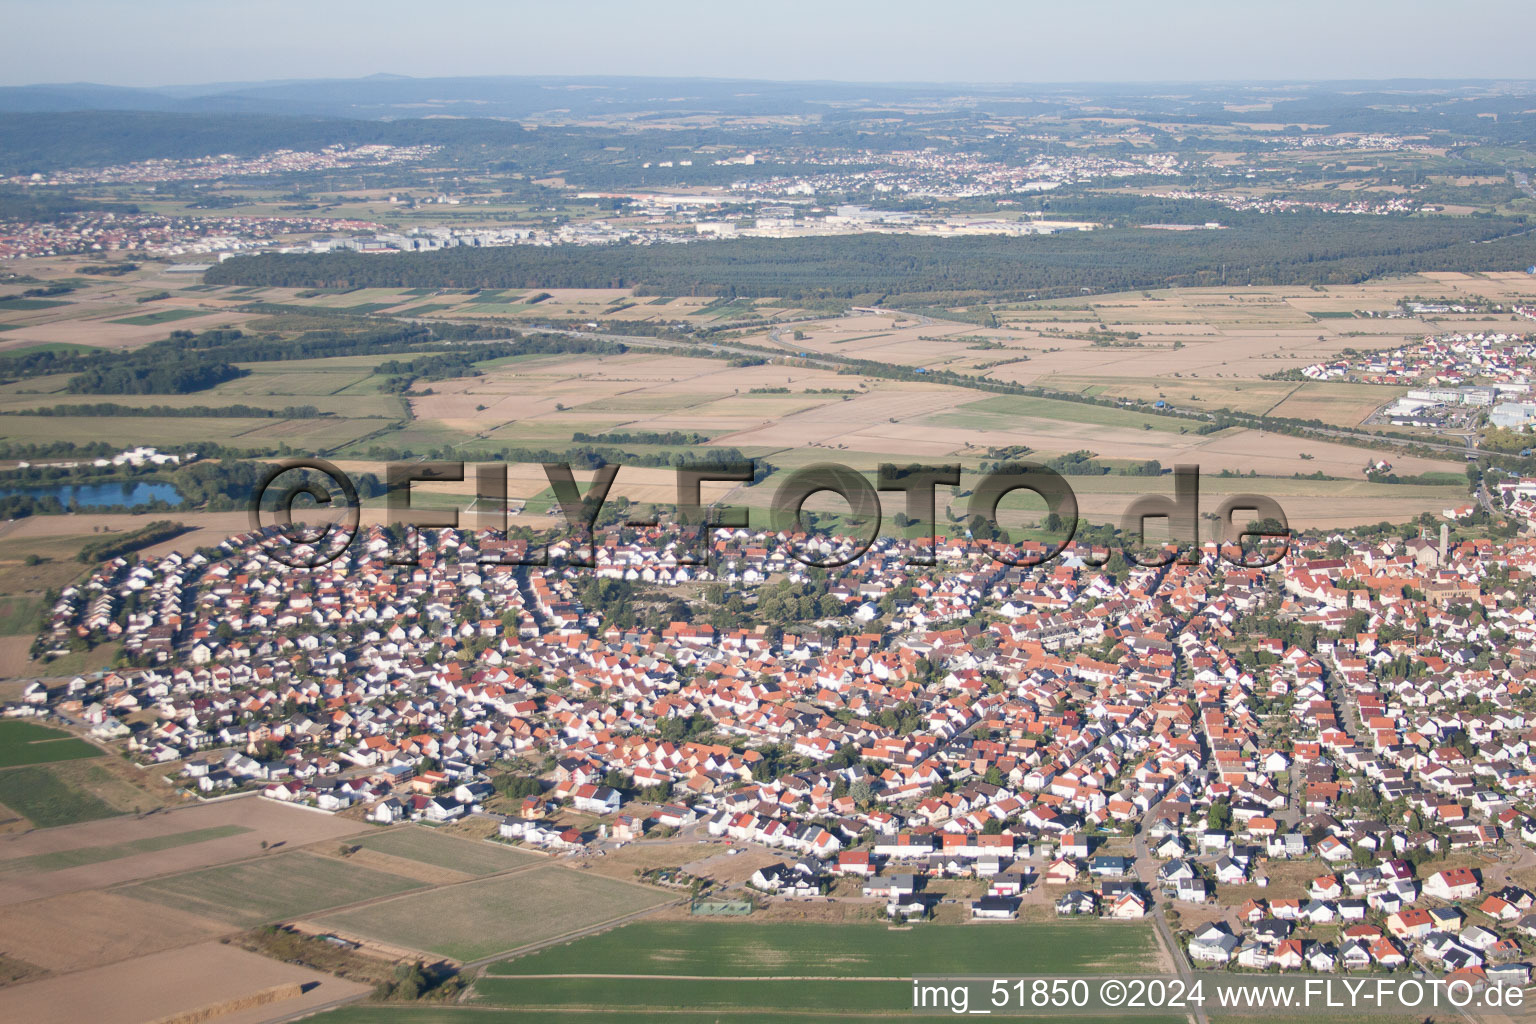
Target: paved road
pixel 1147 873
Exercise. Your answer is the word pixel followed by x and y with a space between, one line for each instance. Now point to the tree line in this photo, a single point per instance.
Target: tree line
pixel 1279 249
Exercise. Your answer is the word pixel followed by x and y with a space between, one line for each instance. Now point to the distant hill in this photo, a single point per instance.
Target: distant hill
pixel 388 95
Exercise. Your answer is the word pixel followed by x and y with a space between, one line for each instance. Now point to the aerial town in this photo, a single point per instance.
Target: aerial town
pixel 1114 742
pixel 796 520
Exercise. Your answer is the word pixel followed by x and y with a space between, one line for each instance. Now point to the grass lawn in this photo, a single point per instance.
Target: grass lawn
pixel 44 799
pixel 479 919
pixel 61 859
pixel 270 888
pixel 747 948
pixel 160 316
pixel 29 743
pixel 453 852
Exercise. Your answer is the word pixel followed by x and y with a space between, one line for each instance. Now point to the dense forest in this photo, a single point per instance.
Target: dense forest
pixel 159 378
pixel 1296 248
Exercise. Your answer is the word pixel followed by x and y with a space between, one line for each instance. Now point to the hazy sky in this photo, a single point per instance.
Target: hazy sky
pixel 164 42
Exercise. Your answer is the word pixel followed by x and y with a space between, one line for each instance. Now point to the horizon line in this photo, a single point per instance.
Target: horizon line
pixel 884 83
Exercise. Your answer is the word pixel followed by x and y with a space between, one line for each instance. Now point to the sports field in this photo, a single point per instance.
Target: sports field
pixel 479 919
pixel 269 889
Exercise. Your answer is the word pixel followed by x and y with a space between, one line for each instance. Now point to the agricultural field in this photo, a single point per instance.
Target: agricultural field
pixel 159 316
pixel 448 851
pixel 23 743
pixel 1199 349
pixel 121 850
pixel 210 979
pixel 109 313
pixel 29 569
pixel 656 995
pixel 43 796
pixel 90 855
pixel 269 889
pixel 778 968
pixel 482 918
pixel 385 1014
pixel 79 790
pixel 80 930
pixel 175 432
pixel 741 949
pixel 1004 411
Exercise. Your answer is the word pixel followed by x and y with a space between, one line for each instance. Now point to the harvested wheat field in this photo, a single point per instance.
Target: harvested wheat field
pixel 230 984
pixel 96 854
pixel 105 334
pixel 540 398
pixel 87 929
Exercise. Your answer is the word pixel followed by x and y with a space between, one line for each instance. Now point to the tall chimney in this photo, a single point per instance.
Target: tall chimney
pixel 1445 541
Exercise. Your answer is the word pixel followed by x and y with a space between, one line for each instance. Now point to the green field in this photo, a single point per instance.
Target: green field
pixel 452 852
pixel 340 406
pixel 29 743
pixel 431 307
pixel 479 919
pixel 752 949
pixel 375 1013
pixel 44 799
pixel 18 616
pixel 892 996
pixel 269 889
pixel 81 856
pixel 28 304
pixel 792 971
pixel 173 432
pixel 1004 410
pixel 60 347
pixel 160 316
